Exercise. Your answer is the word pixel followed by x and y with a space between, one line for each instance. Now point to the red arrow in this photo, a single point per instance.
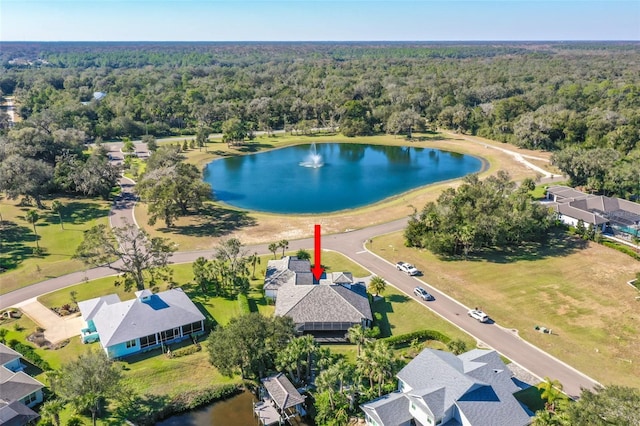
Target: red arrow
pixel 317 267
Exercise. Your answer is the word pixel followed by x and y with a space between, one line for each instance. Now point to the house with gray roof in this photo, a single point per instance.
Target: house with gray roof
pixel 18 391
pixel 440 388
pixel 604 213
pixel 144 323
pixel 329 306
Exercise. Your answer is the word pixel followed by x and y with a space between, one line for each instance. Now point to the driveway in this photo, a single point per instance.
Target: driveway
pixel 56 328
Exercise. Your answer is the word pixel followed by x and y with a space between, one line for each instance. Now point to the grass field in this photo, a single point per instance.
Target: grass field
pixel 23 266
pixel 577 289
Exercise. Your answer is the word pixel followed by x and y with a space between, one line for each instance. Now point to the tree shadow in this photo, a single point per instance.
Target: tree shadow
pixel 213 221
pixel 381 308
pixel 558 244
pixel 13 245
pixel 77 212
pixel 254 147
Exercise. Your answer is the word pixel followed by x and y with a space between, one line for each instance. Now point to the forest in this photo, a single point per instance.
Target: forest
pixel 575 99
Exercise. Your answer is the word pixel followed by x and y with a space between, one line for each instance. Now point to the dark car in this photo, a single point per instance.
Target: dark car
pixel 422 293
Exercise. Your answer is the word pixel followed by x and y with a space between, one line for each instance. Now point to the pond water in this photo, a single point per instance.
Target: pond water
pixel 236 411
pixel 328 177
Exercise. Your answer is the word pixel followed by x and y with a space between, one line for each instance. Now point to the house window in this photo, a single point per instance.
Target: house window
pixel 32 397
pixel 168 334
pixel 131 344
pixel 147 341
pixel 192 328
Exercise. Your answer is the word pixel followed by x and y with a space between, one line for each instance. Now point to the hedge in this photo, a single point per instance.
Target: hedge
pixel 621 248
pixel 243 302
pixel 29 353
pixel 422 335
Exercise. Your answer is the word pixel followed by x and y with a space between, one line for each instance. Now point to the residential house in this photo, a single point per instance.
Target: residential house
pixel 605 213
pixel 141 324
pixel 328 307
pixel 18 391
pixel 439 388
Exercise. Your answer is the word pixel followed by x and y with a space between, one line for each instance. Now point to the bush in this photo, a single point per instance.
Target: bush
pixel 403 340
pixel 243 302
pixel 186 351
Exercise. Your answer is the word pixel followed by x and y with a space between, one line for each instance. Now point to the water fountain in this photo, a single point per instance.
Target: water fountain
pixel 313 159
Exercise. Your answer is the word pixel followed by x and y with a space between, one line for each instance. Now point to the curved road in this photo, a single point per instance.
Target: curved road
pixel 351 244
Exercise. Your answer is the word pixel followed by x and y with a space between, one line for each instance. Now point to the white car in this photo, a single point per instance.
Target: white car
pixel 478 315
pixel 407 268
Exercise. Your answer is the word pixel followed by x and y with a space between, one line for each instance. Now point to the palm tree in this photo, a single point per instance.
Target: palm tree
pixel 357 335
pixel 3 335
pixel 273 248
pixel 283 244
pixel 551 391
pixel 57 207
pixel 51 410
pixel 302 254
pixel 253 260
pixel 377 285
pixel 32 217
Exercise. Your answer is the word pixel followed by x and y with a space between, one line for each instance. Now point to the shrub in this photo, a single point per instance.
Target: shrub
pixel 186 351
pixel 243 302
pixel 403 340
pixel 621 248
pixel 28 352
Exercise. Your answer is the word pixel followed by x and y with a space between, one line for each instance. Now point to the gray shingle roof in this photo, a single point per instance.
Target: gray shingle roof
pixel 282 391
pixel 390 409
pixel 476 382
pixel 16 414
pixel 124 321
pixel 288 270
pixel 322 303
pixel 7 354
pixel 562 191
pixel 14 386
pixel 90 307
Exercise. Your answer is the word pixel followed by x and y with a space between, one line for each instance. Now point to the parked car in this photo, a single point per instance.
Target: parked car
pixel 478 315
pixel 407 268
pixel 423 294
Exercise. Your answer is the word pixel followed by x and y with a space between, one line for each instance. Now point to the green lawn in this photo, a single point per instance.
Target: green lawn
pixel 575 288
pixel 23 266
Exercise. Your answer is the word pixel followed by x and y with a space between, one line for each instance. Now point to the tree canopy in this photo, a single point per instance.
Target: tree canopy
pixel 479 215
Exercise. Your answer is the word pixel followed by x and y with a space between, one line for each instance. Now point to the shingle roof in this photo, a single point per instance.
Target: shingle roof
pixel 323 303
pixel 15 413
pixel 568 209
pixel 562 191
pixel 476 382
pixel 7 354
pixel 288 270
pixel 14 386
pixel 390 409
pixel 90 307
pixel 282 391
pixel 124 321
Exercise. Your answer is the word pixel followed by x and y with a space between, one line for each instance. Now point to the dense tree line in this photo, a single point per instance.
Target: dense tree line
pixel 478 215
pixel 553 96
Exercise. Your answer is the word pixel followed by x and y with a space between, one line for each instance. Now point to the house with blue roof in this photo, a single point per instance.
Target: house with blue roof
pixel 440 388
pixel 141 324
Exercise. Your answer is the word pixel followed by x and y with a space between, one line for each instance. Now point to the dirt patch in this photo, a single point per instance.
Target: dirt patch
pixel 38 339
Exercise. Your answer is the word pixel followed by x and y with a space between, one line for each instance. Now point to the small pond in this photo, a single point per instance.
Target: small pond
pixel 328 177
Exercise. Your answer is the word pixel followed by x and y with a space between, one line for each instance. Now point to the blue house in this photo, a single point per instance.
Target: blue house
pixel 141 324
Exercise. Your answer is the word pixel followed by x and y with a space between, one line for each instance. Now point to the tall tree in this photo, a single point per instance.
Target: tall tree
pixel 283 244
pixel 249 344
pixel 89 382
pixel 232 253
pixel 57 207
pixel 273 248
pixel 33 216
pixel 140 259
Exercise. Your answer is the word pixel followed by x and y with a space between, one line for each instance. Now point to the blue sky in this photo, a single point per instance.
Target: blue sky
pixel 318 20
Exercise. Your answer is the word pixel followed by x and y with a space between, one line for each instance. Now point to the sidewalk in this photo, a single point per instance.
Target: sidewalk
pixel 56 328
